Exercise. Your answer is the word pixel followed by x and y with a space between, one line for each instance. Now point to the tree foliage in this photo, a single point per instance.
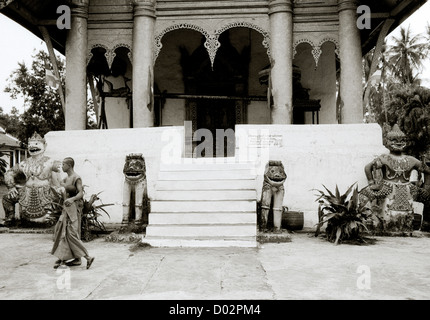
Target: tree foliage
pixel 398 97
pixel 43 109
pixel 412 106
pixel 43 105
pixel 409 107
pixel 11 121
pixel 406 55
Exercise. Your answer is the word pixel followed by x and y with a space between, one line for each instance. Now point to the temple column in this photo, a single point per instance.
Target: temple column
pixel 351 86
pixel 281 50
pixel 143 69
pixel 76 64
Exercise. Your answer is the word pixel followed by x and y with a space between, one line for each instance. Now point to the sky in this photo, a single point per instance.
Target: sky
pixel 19 45
pixel 417 23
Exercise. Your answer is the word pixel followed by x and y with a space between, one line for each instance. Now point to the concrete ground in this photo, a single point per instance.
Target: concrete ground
pixel 305 268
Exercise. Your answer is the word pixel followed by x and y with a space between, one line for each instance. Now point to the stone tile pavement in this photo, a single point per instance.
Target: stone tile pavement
pixel 305 268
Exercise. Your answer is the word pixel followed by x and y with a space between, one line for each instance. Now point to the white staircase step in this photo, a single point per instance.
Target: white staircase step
pixel 207 242
pixel 202 218
pixel 203 230
pixel 204 203
pixel 210 166
pixel 206 185
pixel 206 195
pixel 205 175
pixel 203 206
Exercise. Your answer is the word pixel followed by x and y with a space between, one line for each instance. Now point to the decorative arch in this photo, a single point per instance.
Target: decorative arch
pixel 123 45
pixel 332 40
pixel 316 50
pixel 316 46
pixel 94 46
pixel 110 52
pixel 300 41
pixel 249 25
pixel 212 43
pixel 158 44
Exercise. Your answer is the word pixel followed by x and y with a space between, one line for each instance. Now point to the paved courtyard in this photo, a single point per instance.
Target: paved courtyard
pixel 305 268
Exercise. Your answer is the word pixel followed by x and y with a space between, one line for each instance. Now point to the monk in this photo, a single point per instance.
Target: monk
pixel 67 243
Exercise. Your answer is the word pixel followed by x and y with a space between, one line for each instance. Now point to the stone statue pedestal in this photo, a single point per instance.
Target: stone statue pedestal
pixel 274 237
pixel 399 221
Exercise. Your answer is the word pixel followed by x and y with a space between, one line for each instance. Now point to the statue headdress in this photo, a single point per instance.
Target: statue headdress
pixel 36 137
pixel 396 132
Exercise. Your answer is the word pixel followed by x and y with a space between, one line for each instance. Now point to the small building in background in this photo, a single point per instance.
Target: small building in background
pixel 11 149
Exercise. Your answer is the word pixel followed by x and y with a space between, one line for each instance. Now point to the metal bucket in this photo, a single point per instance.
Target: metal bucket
pixel 292 220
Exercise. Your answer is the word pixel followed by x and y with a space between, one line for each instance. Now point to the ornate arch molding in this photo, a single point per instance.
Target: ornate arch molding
pixel 211 44
pixel 124 45
pixel 110 53
pixel 158 44
pixel 316 45
pixel 332 40
pixel 249 25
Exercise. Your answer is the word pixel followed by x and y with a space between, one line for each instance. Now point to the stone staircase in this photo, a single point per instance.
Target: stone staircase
pixel 203 204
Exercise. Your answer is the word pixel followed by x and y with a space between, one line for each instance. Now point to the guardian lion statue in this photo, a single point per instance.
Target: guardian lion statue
pixel 134 184
pixel 273 190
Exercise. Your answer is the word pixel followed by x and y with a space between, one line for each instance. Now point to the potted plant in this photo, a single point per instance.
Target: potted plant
pixel 90 214
pixel 345 217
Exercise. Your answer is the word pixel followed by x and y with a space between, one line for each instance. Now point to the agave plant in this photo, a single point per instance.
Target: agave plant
pixel 90 214
pixel 345 217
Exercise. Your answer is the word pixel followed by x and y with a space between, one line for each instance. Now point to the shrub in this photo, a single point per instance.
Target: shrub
pixel 90 214
pixel 345 217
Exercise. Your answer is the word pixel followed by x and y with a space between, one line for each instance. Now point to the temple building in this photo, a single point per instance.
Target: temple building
pixel 290 67
pixel 159 63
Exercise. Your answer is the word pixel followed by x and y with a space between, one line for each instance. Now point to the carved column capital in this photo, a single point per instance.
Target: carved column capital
pixel 79 8
pixel 276 6
pixel 347 5
pixel 79 2
pixel 144 8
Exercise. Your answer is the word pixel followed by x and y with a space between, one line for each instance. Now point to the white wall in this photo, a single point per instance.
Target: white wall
pixel 100 156
pixel 312 155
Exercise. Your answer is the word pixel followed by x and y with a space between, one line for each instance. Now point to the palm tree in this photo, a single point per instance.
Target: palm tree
pixel 406 56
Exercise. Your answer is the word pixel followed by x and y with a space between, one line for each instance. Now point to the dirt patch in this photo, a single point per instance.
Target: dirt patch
pixel 274 237
pixel 116 236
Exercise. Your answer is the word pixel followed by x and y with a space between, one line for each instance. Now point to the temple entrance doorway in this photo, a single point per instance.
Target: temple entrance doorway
pixel 216 95
pixel 198 88
pixel 218 117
